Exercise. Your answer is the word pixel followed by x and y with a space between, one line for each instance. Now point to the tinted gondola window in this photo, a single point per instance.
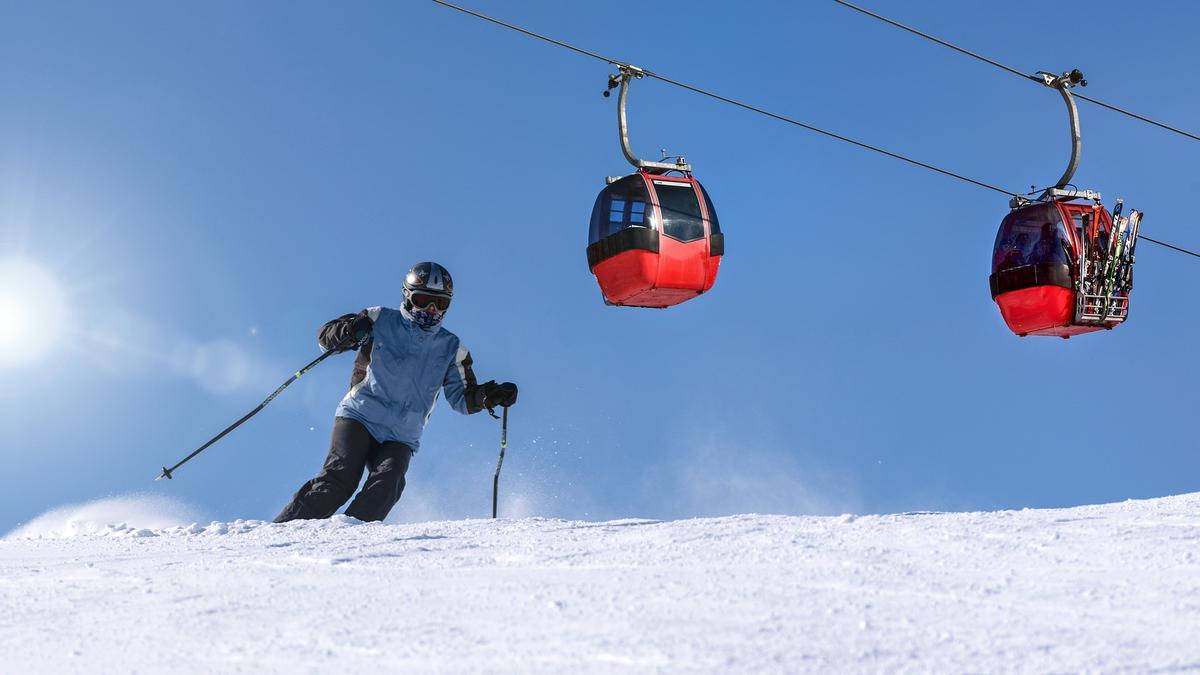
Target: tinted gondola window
pixel 714 226
pixel 637 213
pixel 616 210
pixel 680 210
pixel 1030 236
pixel 620 205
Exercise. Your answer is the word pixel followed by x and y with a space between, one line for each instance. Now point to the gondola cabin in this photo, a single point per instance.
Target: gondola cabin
pixel 1058 270
pixel 654 240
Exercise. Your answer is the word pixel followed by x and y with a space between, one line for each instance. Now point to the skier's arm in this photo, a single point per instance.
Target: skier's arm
pixel 346 331
pixel 462 390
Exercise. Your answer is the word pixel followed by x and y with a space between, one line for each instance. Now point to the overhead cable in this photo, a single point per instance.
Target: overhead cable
pixel 683 85
pixel 1012 70
pixel 1170 246
pixel 761 111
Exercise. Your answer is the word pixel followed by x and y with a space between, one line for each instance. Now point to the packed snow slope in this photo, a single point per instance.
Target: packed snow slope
pixel 1095 588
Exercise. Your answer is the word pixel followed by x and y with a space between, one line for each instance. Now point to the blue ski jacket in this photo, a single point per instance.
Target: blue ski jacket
pixel 400 372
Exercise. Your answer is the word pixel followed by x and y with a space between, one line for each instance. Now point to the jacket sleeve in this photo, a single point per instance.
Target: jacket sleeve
pixel 462 391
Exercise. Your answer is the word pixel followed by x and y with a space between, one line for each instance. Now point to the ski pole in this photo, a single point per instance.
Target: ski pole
pixel 500 462
pixel 166 473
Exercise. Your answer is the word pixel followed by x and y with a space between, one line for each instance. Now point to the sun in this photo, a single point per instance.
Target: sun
pixel 33 312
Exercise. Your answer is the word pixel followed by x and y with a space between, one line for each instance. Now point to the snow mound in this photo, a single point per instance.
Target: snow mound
pixel 1103 588
pixel 133 515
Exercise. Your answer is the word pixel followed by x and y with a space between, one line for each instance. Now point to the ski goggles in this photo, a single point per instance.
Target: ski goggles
pixel 423 300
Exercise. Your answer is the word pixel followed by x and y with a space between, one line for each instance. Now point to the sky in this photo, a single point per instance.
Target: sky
pixel 188 191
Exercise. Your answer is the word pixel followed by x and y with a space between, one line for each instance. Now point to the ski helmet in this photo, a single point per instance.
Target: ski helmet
pixel 428 279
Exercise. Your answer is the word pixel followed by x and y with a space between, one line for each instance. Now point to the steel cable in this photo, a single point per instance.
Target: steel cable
pixel 1010 69
pixel 783 118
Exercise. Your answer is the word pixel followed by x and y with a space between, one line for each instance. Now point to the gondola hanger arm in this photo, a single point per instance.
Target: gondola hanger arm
pixel 1063 83
pixel 625 73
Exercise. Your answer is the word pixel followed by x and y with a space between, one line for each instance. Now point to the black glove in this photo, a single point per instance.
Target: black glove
pixel 360 328
pixel 503 394
pixel 346 332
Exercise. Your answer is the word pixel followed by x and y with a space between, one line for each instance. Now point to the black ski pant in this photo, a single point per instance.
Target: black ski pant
pixel 351 449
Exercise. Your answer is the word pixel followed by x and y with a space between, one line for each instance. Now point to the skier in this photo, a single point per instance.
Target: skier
pixel 405 358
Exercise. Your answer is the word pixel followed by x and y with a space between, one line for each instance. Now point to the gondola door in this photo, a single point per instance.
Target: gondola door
pixel 684 255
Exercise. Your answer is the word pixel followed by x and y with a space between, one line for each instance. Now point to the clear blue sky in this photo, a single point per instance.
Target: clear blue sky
pixel 210 182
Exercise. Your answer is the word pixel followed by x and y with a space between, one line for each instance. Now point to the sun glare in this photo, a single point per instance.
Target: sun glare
pixel 33 312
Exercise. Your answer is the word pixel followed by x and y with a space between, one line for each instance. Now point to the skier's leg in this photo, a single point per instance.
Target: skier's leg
pixel 349 447
pixel 387 464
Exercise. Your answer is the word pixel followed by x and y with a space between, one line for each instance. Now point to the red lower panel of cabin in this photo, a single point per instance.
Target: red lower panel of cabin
pixel 1041 310
pixel 677 273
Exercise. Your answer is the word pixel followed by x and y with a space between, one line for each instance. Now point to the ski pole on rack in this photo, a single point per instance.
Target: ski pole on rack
pixel 166 473
pixel 500 462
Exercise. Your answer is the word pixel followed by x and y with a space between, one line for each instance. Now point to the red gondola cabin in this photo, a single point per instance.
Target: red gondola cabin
pixel 1056 272
pixel 654 240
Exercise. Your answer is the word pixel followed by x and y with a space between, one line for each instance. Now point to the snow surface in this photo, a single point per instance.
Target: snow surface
pixel 1094 588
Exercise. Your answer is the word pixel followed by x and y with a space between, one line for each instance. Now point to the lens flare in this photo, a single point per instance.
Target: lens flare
pixel 33 312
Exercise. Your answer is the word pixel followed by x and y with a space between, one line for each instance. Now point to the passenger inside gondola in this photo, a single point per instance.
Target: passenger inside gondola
pixel 1031 236
pixel 1051 246
pixel 1011 252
